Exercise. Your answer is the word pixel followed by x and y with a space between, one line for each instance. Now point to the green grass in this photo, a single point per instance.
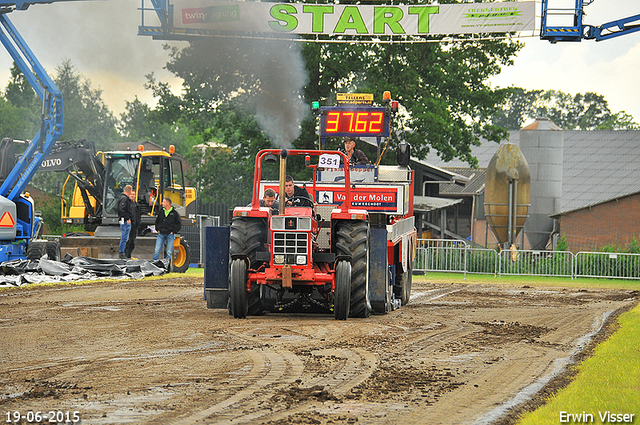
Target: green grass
pixel 563 282
pixel 191 272
pixel 607 381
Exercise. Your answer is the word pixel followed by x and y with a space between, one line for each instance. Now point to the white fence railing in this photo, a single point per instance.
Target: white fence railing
pixel 447 255
pixel 607 265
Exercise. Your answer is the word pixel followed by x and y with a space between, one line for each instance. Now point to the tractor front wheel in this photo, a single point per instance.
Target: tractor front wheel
pixel 342 294
pixel 238 289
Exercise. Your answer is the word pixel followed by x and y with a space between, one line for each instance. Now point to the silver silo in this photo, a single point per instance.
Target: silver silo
pixel 542 144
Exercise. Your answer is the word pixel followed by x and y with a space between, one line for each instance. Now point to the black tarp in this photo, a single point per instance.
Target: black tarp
pixel 22 272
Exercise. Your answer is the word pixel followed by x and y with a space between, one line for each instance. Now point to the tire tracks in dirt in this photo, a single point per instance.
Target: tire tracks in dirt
pixel 276 371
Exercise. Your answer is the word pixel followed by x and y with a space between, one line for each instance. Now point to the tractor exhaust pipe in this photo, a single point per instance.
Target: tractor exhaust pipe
pixel 283 175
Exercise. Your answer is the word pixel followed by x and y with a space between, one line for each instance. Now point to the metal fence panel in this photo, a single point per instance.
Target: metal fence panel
pixel 482 261
pixel 536 263
pixel 447 255
pixel 607 265
pixel 440 255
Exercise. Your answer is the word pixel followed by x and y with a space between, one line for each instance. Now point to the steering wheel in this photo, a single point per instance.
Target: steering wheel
pixel 301 201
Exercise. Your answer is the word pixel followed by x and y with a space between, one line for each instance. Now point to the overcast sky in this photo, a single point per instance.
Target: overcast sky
pixel 100 38
pixel 606 67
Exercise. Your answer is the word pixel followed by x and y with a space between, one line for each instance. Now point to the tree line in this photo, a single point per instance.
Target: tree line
pixel 233 92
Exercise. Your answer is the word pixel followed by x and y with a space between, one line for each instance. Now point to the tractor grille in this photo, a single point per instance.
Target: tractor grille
pixel 291 245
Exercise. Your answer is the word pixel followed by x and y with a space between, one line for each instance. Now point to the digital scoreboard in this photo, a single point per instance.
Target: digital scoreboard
pixel 354 121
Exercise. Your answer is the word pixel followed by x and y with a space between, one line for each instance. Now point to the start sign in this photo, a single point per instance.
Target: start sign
pixel 202 17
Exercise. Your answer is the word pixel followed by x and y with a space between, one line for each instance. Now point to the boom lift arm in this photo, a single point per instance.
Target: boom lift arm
pixel 568 24
pixel 52 109
pixel 19 225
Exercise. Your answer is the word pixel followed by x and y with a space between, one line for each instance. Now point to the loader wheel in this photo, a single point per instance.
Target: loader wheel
pixel 247 237
pixel 342 294
pixel 53 250
pixel 36 250
pixel 351 240
pixel 402 288
pixel 238 289
pixel 181 257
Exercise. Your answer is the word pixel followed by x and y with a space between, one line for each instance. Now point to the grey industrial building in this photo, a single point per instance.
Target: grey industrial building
pixel 584 185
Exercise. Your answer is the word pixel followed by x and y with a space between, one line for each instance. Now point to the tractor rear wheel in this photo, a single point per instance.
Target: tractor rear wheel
pixel 238 289
pixel 247 237
pixel 351 240
pixel 342 294
pixel 402 288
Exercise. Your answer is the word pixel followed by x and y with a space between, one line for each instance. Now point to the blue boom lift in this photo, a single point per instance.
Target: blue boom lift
pixel 19 226
pixel 566 24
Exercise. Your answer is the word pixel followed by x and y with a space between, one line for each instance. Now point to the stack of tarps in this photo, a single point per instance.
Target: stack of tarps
pixel 22 272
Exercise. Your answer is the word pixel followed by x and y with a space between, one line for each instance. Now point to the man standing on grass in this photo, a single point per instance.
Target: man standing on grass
pixel 168 223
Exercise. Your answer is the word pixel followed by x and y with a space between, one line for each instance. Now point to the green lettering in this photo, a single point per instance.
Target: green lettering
pixel 351 20
pixel 318 12
pixel 285 21
pixel 423 13
pixel 387 16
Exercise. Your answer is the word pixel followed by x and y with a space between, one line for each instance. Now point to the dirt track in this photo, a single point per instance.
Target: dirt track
pixel 151 352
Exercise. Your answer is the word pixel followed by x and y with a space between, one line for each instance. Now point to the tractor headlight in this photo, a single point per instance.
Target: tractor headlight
pixel 278 259
pixel 301 259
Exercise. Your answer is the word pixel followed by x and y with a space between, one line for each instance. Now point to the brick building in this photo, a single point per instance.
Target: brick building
pixel 613 222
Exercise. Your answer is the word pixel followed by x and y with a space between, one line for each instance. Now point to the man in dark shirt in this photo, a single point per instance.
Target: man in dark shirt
pixel 135 222
pixel 125 215
pixel 355 156
pixel 295 195
pixel 269 200
pixel 168 223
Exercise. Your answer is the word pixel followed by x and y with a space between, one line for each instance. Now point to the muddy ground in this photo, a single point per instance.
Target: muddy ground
pixel 151 352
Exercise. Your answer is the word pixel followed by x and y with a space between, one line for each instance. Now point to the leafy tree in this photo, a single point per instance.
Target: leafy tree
pixel 619 121
pixel 588 111
pixel 19 108
pixel 17 122
pixel 140 122
pixel 255 93
pixel 86 116
pixel 441 86
pixel 20 93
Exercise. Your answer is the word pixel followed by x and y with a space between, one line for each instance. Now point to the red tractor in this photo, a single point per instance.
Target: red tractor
pixel 275 254
pixel 348 249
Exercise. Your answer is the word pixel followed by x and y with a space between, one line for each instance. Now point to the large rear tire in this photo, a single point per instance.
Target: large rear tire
pixel 181 257
pixel 36 250
pixel 53 250
pixel 402 288
pixel 247 237
pixel 351 240
pixel 342 294
pixel 238 300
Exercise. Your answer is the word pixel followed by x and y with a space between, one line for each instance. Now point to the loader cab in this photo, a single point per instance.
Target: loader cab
pixel 153 175
pixel 122 170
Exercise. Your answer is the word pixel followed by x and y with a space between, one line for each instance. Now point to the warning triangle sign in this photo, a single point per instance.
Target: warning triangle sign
pixel 7 220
